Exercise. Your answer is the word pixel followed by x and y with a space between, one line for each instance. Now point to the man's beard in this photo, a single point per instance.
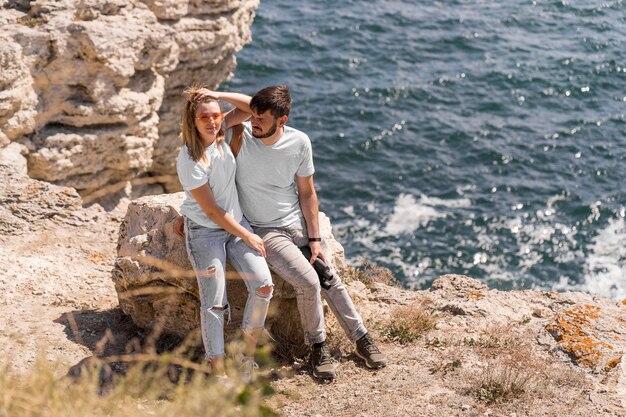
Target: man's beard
pixel 269 133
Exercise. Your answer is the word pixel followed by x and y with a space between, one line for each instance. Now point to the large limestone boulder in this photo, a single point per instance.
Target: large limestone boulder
pixel 93 88
pixel 157 287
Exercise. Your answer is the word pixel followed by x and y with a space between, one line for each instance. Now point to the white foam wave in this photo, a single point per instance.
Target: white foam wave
pixel 605 267
pixel 409 214
pixel 535 235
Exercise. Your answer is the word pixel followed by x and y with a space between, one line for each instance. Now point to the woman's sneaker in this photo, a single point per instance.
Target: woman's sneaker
pixel 367 350
pixel 224 381
pixel 247 367
pixel 322 362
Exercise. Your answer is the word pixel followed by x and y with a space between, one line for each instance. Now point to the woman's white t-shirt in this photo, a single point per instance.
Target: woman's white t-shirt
pixel 219 172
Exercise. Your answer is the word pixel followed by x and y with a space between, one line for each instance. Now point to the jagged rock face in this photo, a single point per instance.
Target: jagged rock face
pixel 157 287
pixel 207 47
pixel 26 203
pixel 93 88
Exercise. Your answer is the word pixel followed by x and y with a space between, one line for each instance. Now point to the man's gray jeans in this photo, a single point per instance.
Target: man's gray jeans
pixel 285 259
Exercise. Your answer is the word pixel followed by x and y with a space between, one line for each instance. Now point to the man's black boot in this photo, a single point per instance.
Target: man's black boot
pixel 367 350
pixel 322 362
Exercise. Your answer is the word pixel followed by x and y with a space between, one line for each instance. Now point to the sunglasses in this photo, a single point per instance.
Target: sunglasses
pixel 206 117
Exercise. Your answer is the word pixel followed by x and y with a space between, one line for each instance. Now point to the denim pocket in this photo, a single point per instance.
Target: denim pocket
pixel 193 225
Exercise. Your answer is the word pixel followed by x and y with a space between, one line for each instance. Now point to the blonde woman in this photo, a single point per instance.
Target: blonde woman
pixel 215 228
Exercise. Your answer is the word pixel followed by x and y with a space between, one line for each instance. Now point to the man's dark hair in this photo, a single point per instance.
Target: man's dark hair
pixel 276 99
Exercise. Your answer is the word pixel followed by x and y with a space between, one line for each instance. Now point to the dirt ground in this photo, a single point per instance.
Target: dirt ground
pixel 57 294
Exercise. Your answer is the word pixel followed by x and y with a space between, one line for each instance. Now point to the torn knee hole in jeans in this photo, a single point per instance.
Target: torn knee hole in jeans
pixel 209 272
pixel 218 311
pixel 265 291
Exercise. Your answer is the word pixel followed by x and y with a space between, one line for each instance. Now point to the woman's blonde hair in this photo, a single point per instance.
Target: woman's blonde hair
pixel 189 133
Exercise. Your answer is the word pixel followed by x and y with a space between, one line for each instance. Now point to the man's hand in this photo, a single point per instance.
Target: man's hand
pixel 316 252
pixel 179 226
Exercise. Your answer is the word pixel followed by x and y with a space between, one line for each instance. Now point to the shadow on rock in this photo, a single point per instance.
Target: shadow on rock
pixel 119 345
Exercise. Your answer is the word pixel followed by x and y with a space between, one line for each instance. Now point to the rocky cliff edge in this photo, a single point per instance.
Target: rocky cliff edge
pixel 92 89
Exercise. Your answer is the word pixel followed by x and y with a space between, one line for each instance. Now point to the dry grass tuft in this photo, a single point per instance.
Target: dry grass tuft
pixel 503 383
pixel 369 274
pixel 157 385
pixel 409 323
pixel 445 368
pixel 509 368
pixel 493 341
pixel 30 22
pixel 288 337
pixel 287 350
pixel 514 371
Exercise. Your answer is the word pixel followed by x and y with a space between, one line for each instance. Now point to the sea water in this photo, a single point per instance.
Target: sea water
pixel 484 138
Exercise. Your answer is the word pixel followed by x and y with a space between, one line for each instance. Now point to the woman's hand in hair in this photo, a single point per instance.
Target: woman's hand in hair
pixel 205 92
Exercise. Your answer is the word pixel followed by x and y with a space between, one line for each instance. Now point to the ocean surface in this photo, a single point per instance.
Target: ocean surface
pixel 484 138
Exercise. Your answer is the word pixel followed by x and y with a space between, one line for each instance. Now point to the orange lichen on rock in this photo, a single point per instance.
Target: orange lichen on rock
pixel 574 333
pixel 612 364
pixel 624 302
pixel 476 295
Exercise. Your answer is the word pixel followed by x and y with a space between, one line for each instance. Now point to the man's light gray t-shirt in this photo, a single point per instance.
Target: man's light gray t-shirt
pixel 266 177
pixel 219 173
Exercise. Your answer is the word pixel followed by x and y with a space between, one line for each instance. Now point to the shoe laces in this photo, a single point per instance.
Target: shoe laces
pixel 321 355
pixel 248 362
pixel 247 366
pixel 368 345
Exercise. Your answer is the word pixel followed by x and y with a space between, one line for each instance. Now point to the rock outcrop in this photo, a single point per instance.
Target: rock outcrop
pixel 92 88
pixel 25 202
pixel 157 287
pixel 491 352
pixel 586 328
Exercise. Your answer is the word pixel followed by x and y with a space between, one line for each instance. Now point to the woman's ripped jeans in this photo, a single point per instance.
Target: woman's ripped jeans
pixel 208 250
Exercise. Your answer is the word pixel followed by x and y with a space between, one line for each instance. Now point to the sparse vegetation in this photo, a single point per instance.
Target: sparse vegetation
pixel 158 387
pixel 516 370
pixel 444 368
pixel 493 341
pixel 509 369
pixel 369 274
pixel 437 342
pixel 502 384
pixel 31 22
pixel 409 323
pixel 287 349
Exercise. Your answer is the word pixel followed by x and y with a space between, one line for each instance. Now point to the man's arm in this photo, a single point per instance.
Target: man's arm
pixel 240 113
pixel 309 206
